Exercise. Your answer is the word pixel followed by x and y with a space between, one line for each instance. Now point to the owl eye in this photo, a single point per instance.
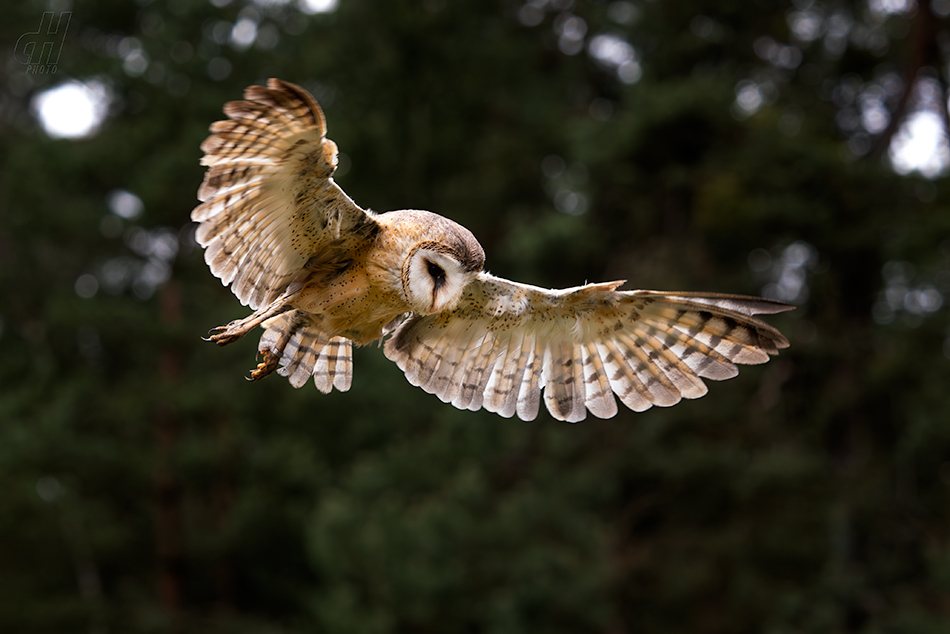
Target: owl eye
pixel 437 273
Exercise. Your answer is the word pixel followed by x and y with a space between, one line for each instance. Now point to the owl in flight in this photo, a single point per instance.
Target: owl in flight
pixel 321 274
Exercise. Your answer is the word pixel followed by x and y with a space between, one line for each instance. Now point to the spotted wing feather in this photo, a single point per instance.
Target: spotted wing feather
pixel 506 342
pixel 269 201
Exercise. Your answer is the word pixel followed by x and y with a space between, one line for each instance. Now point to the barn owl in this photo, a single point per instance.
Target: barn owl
pixel 322 274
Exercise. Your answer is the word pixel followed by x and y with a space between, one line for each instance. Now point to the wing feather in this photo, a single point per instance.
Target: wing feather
pixel 304 350
pixel 663 358
pixel 623 378
pixel 421 369
pixel 333 367
pixel 496 392
pixel 576 373
pixel 703 360
pixel 558 379
pixel 529 390
pixel 505 343
pixel 474 375
pixel 662 390
pixel 507 376
pixel 600 397
pixel 447 383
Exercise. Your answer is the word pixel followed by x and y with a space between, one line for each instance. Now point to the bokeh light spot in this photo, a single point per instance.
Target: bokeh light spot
pixel 86 285
pixel 921 146
pixel 72 110
pixel 318 6
pixel 125 204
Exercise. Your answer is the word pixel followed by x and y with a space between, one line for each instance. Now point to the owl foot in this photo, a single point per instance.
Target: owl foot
pixel 265 367
pixel 223 335
pixel 273 351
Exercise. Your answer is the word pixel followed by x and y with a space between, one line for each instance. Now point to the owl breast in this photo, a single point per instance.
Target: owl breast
pixel 350 302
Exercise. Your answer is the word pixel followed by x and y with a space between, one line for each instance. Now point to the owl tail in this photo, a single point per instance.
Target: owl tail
pixel 297 349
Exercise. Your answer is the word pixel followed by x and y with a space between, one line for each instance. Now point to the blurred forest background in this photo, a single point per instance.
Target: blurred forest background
pixel 749 147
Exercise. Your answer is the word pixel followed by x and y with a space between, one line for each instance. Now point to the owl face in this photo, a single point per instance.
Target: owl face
pixel 434 278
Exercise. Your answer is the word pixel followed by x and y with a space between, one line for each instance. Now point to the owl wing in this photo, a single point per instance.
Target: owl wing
pixel 269 202
pixel 506 341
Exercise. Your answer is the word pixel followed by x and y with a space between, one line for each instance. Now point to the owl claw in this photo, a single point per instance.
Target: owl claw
pixel 265 367
pixel 223 335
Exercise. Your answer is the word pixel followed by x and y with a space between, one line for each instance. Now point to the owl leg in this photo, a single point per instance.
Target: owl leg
pixel 223 335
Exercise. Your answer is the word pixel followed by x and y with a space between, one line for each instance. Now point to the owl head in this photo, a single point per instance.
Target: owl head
pixel 438 267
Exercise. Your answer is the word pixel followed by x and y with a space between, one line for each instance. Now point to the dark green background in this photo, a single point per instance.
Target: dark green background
pixel 146 487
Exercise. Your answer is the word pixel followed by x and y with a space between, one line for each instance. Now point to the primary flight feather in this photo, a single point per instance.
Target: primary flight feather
pixel 322 273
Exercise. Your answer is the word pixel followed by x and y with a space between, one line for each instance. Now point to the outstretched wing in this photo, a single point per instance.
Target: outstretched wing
pixel 506 341
pixel 269 202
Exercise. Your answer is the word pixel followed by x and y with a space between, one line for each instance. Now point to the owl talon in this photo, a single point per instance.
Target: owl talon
pixel 223 338
pixel 214 332
pixel 265 367
pixel 223 335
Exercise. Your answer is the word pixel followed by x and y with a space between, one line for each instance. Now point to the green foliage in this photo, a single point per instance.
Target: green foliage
pixel 149 488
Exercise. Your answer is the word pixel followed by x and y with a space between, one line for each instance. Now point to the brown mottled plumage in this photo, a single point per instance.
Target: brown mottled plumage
pixel 321 273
